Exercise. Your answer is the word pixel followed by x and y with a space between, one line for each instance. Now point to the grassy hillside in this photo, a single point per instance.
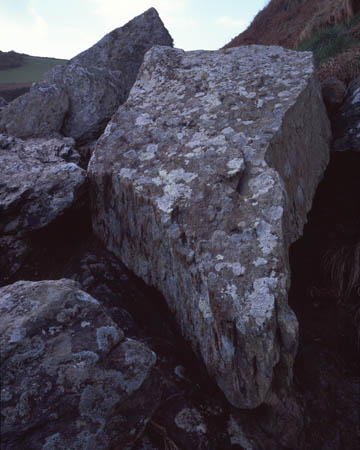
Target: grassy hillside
pixel 32 69
pixel 329 28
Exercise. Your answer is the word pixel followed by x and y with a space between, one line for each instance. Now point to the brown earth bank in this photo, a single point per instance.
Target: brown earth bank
pixel 288 22
pixel 10 91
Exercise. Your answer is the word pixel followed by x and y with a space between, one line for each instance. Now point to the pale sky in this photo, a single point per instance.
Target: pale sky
pixel 64 28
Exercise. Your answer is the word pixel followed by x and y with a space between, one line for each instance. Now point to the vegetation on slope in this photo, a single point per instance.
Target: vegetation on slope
pixel 10 60
pixel 31 69
pixel 329 28
pixel 329 41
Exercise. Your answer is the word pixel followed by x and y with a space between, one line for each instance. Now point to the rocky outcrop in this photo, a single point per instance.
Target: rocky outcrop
pixel 347 121
pixel 200 183
pixel 40 180
pixel 70 378
pixel 78 99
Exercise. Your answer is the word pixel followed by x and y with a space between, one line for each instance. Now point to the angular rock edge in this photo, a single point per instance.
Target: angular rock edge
pixel 200 183
pixel 77 99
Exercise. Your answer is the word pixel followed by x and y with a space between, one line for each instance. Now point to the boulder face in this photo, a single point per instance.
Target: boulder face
pixel 70 378
pixel 40 180
pixel 200 183
pixel 40 112
pixel 78 99
pixel 347 120
pixel 123 49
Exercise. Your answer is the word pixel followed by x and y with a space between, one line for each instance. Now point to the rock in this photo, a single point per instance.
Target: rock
pixel 70 378
pixel 78 99
pixel 124 48
pixel 94 94
pixel 3 102
pixel 40 180
pixel 333 92
pixel 37 183
pixel 346 123
pixel 200 183
pixel 40 112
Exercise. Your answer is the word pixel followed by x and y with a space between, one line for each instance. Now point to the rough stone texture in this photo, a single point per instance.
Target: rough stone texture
pixel 78 99
pixel 200 183
pixel 124 48
pixel 346 124
pixel 94 94
pixel 70 378
pixel 333 92
pixel 39 112
pixel 3 102
pixel 38 183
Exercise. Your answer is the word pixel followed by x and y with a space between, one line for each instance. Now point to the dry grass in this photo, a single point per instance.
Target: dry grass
pixel 286 23
pixel 161 431
pixel 345 66
pixel 342 268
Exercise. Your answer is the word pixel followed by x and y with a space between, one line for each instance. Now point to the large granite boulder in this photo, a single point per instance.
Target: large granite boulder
pixel 346 123
pixel 78 99
pixel 39 182
pixel 70 379
pixel 200 183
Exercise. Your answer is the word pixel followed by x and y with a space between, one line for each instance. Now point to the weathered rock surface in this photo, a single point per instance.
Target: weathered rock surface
pixel 200 183
pixel 94 94
pixel 40 112
pixel 3 102
pixel 78 99
pixel 70 378
pixel 40 180
pixel 124 48
pixel 346 123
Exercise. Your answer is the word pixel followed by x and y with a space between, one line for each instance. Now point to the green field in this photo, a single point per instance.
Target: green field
pixel 33 70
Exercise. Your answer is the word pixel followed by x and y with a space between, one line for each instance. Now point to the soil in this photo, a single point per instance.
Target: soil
pixel 10 91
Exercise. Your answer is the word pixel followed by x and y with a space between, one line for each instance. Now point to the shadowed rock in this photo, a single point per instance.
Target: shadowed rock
pixel 347 121
pixel 40 180
pixel 200 183
pixel 70 379
pixel 78 99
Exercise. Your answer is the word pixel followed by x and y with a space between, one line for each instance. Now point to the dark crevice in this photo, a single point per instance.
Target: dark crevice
pixel 327 365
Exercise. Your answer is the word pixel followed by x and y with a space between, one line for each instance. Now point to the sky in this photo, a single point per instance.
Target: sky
pixel 64 28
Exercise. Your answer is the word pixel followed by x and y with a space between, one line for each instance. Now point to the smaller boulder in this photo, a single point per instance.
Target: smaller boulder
pixel 333 92
pixel 70 378
pixel 40 112
pixel 39 181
